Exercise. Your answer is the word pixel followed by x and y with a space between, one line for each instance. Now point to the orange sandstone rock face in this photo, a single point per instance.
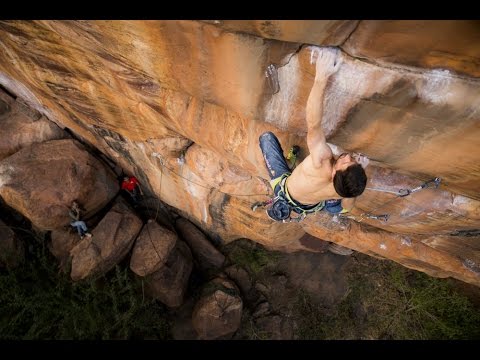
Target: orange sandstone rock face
pixel 182 103
pixel 430 44
pixel 327 32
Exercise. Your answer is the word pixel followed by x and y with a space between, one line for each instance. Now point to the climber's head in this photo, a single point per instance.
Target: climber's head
pixel 349 178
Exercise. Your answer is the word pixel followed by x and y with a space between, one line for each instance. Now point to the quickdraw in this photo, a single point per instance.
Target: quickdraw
pixel 405 192
pixel 383 217
pixel 432 184
pixel 258 204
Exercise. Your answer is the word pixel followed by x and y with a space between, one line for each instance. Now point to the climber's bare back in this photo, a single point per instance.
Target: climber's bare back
pixel 309 184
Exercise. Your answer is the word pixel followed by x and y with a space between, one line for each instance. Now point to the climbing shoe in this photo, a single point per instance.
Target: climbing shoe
pixel 292 155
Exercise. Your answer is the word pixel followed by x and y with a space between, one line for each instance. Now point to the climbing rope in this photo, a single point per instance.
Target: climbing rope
pixel 162 163
pixel 402 193
pixel 432 184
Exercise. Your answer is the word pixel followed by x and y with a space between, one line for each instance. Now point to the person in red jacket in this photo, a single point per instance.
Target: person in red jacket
pixel 132 186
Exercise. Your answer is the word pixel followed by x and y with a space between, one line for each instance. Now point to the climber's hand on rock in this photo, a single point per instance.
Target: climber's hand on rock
pixel 328 61
pixel 361 159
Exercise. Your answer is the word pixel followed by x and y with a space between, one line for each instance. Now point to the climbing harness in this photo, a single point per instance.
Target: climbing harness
pixel 432 184
pixel 280 207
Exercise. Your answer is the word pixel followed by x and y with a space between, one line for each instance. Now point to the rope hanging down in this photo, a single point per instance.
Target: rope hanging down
pixel 162 163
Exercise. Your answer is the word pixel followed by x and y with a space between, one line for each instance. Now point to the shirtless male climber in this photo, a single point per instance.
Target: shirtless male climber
pixel 319 181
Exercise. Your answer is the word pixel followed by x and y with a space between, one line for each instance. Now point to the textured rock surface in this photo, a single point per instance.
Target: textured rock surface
pixel 169 283
pixel 21 127
pixel 112 239
pixel 62 242
pixel 152 248
pixel 429 44
pixel 219 311
pixel 182 104
pixel 206 254
pixel 41 181
pixel 327 32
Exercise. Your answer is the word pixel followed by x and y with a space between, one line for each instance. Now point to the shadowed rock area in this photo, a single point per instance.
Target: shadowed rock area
pixel 12 251
pixel 219 311
pixel 208 257
pixel 169 283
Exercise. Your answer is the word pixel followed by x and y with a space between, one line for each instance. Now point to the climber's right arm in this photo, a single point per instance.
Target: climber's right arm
pixel 328 63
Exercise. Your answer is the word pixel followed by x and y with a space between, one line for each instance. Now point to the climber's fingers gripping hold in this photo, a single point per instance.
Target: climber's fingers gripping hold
pixel 328 61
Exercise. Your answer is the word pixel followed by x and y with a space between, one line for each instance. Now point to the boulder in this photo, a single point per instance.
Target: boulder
pixel 112 239
pixel 152 248
pixel 207 256
pixel 21 128
pixel 169 283
pixel 218 313
pixel 41 181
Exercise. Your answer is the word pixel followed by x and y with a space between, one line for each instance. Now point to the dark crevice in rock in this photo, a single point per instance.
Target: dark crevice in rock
pixel 351 33
pixel 300 47
pixel 95 151
pixel 9 93
pixel 184 151
pixel 467 233
pixel 409 69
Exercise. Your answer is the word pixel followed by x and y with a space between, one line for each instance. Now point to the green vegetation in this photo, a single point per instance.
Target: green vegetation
pixel 388 301
pixel 252 332
pixel 252 257
pixel 39 302
pixel 384 301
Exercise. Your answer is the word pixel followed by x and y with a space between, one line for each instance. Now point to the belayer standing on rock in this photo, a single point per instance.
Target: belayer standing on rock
pixel 319 181
pixel 132 186
pixel 80 225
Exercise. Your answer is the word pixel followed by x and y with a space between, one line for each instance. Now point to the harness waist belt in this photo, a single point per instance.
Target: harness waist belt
pixel 296 206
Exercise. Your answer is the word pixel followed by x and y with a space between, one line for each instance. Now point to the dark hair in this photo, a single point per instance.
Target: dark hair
pixel 350 182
